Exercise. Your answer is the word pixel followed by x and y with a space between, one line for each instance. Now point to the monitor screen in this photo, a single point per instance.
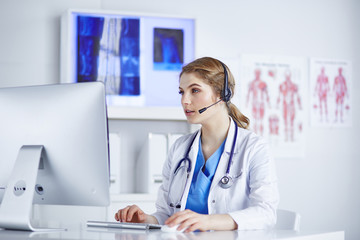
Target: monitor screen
pixel 66 125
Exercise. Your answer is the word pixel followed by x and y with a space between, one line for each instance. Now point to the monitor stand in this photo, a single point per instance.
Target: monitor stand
pixel 17 203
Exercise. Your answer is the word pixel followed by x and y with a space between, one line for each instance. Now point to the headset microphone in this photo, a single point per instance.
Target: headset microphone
pixel 204 109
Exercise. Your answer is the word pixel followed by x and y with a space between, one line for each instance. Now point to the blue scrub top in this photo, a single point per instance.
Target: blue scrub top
pixel 201 181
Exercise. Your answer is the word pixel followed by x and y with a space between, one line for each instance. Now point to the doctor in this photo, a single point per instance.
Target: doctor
pixel 221 177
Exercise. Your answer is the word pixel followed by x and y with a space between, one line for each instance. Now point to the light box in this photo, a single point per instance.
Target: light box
pixel 138 57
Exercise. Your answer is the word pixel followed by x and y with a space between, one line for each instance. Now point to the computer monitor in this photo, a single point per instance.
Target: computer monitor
pixel 53 149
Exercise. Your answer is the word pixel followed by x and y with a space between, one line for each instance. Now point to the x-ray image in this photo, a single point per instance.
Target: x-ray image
pixel 168 49
pixel 108 51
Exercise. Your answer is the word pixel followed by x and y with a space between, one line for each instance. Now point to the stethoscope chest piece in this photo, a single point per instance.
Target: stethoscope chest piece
pixel 226 182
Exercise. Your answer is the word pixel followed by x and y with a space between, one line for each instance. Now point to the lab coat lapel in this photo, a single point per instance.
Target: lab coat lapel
pixel 224 159
pixel 193 156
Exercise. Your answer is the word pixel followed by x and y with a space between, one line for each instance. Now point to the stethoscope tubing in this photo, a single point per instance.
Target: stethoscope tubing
pixel 186 158
pixel 232 150
pixel 225 182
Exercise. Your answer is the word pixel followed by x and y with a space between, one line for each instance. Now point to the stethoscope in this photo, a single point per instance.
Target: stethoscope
pixel 180 172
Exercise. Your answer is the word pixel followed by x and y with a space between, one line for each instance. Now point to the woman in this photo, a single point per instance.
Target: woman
pixel 221 177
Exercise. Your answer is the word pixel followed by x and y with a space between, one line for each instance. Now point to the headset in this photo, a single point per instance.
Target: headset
pixel 225 94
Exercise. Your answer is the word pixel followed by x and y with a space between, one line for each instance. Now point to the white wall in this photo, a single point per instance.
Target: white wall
pixel 324 186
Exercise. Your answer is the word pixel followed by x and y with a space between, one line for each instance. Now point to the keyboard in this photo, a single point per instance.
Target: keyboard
pixel 124 225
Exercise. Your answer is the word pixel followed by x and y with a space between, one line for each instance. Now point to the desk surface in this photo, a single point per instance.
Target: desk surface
pixel 114 234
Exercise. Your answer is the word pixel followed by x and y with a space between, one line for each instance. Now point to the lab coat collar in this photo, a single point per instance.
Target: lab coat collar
pixel 230 137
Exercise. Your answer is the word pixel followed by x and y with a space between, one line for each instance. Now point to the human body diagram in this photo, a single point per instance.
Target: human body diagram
pixel 259 96
pixel 322 90
pixel 341 91
pixel 289 96
pixel 331 98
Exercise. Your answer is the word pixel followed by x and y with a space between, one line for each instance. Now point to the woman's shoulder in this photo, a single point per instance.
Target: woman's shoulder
pixel 185 138
pixel 249 134
pixel 183 141
pixel 251 138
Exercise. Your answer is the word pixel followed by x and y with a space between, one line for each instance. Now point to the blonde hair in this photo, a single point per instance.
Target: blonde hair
pixel 212 71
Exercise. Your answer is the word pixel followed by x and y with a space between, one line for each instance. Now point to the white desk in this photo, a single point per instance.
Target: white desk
pixel 107 234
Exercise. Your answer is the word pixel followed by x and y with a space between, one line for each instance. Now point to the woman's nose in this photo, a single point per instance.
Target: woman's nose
pixel 185 100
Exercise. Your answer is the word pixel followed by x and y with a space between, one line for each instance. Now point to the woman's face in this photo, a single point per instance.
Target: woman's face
pixel 195 95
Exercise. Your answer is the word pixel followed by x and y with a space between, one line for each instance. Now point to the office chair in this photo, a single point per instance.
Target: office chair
pixel 287 220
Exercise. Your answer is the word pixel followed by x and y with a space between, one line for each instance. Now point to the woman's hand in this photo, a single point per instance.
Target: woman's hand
pixel 134 214
pixel 191 221
pixel 188 220
pixel 131 214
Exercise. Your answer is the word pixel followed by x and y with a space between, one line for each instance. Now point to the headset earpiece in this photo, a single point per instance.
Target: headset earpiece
pixel 226 92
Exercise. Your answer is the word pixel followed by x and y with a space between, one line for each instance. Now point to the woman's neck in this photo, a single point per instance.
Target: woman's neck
pixel 213 134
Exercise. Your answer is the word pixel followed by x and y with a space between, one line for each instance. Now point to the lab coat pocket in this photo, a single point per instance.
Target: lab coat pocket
pixel 235 196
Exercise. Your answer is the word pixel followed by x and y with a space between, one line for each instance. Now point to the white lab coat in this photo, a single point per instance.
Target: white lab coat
pixel 253 198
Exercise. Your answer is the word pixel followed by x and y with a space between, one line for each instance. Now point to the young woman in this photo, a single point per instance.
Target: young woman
pixel 221 177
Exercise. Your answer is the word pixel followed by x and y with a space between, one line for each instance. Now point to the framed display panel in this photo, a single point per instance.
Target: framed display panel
pixel 137 56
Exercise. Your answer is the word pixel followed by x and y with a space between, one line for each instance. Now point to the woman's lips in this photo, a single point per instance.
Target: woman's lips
pixel 189 112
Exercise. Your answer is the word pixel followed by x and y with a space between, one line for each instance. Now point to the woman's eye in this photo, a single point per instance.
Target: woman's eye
pixel 181 92
pixel 195 90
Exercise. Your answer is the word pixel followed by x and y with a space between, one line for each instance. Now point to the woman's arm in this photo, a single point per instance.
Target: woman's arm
pixel 263 190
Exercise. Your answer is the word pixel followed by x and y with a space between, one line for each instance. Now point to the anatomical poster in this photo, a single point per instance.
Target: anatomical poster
pixel 273 93
pixel 330 101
